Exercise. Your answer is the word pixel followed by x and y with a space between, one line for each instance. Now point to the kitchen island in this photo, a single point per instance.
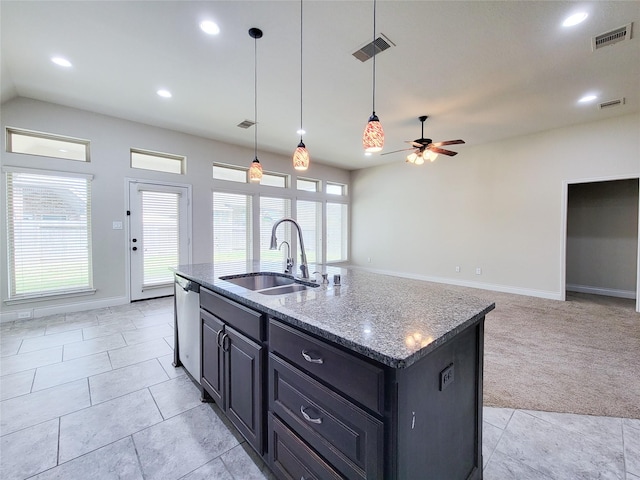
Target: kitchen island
pixel 380 377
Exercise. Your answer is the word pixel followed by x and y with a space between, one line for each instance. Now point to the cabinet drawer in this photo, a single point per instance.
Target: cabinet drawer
pixel 354 377
pixel 238 316
pixel 292 459
pixel 346 436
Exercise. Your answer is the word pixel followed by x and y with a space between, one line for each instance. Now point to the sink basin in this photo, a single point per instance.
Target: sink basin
pixel 260 281
pixel 285 289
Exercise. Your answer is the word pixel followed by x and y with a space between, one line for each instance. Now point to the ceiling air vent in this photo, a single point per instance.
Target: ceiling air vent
pixel 611 103
pixel 380 44
pixel 620 34
pixel 246 124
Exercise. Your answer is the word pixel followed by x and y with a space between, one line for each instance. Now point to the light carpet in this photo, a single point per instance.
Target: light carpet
pixel 578 356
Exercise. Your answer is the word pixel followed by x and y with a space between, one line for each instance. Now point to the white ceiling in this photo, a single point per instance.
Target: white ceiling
pixel 483 71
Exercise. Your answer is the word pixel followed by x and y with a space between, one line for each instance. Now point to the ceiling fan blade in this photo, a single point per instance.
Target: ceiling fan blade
pixel 441 150
pixel 448 142
pixel 396 151
pixel 415 144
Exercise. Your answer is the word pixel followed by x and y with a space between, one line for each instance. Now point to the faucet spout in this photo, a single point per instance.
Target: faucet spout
pixel 304 269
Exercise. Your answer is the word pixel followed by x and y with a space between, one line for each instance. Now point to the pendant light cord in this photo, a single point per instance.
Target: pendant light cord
pixel 373 44
pixel 255 95
pixel 301 70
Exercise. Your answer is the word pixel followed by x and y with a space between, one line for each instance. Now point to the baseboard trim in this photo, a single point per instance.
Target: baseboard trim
pixel 463 283
pixel 608 292
pixel 62 308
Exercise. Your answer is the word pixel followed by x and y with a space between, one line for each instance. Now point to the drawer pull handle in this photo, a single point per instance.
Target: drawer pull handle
pixel 308 418
pixel 310 359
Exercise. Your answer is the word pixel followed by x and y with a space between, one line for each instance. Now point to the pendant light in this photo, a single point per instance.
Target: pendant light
pixel 301 154
pixel 255 170
pixel 373 136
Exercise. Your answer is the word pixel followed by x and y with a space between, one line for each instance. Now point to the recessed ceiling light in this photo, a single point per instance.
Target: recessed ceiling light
pixel 300 131
pixel 588 98
pixel 63 62
pixel 212 28
pixel 575 19
pixel 367 154
pixel 164 93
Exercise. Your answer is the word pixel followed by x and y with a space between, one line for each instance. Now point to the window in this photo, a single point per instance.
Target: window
pixel 336 189
pixel 272 210
pixel 337 231
pixel 49 233
pixel 47 145
pixel 310 220
pixel 274 180
pixel 159 162
pixel 231 227
pixel 308 185
pixel 160 234
pixel 229 173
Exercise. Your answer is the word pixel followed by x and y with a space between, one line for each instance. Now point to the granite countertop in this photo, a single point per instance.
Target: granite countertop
pixel 393 320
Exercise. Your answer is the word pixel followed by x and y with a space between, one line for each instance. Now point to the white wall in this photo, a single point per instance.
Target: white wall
pixel 111 138
pixel 498 207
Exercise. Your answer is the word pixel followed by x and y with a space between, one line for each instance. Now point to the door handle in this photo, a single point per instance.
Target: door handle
pixel 225 346
pixel 308 418
pixel 218 338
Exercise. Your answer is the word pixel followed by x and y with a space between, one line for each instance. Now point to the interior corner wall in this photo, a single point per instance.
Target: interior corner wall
pixel 496 207
pixel 602 237
pixel 111 140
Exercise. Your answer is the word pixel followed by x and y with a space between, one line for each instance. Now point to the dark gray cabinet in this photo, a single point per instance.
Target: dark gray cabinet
pixel 333 412
pixel 232 365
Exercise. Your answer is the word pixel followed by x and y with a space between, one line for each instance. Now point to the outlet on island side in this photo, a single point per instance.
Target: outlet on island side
pixel 478 271
pixel 446 377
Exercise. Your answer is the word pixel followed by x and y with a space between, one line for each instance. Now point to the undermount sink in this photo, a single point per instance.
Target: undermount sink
pixel 282 290
pixel 259 281
pixel 269 283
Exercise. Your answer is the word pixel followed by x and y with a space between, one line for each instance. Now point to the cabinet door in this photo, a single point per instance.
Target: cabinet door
pixel 212 373
pixel 244 361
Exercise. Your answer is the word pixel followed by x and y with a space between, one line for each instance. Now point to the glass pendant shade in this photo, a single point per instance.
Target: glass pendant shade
pixel 419 159
pixel 411 158
pixel 431 155
pixel 373 136
pixel 255 171
pixel 301 157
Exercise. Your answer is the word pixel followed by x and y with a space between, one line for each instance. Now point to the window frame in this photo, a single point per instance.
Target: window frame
pixel 150 153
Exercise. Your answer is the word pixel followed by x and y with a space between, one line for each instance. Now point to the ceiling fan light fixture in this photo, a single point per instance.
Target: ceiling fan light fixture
pixel 411 158
pixel 430 155
pixel 419 160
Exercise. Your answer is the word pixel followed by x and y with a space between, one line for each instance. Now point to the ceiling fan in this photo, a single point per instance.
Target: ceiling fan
pixel 425 149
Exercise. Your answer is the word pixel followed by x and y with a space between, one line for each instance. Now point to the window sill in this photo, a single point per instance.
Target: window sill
pixel 42 297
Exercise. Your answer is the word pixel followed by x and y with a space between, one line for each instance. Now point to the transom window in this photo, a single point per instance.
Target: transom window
pixel 159 162
pixel 47 145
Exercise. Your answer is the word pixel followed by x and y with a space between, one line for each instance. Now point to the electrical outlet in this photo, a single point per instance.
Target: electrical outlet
pixel 117 225
pixel 478 271
pixel 457 269
pixel 24 314
pixel 446 377
pixel 368 259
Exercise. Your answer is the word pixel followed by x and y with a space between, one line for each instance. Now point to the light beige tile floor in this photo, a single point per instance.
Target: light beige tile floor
pixel 94 395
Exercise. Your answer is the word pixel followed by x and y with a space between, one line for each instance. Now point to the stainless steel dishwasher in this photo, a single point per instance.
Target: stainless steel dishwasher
pixel 188 331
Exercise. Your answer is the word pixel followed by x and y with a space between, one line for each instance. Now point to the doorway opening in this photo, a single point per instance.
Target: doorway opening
pixel 601 238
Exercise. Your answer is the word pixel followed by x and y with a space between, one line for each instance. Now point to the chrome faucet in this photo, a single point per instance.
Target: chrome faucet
pixel 289 268
pixel 304 269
